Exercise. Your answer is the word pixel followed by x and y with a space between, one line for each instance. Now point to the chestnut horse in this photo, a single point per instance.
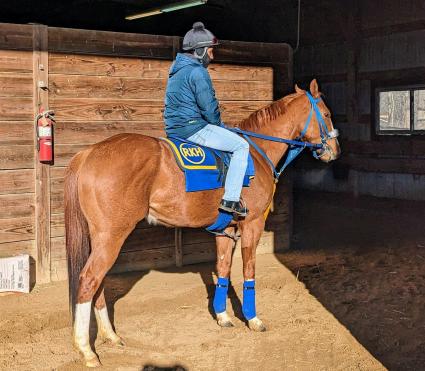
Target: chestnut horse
pixel 116 183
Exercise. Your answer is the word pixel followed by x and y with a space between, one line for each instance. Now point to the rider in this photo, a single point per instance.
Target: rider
pixel 192 112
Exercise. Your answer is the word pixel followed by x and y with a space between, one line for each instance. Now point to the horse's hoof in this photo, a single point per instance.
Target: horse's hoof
pixel 224 320
pixel 225 324
pixel 255 324
pixel 93 362
pixel 112 338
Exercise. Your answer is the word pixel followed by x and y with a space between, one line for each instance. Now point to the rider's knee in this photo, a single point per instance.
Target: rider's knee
pixel 244 146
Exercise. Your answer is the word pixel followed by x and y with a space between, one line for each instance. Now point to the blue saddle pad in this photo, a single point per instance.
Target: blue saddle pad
pixel 204 168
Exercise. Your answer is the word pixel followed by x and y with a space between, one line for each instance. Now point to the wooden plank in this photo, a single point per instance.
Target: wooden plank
pixel 283 79
pixel 178 247
pixel 58 248
pixel 16 109
pixel 97 65
pixel 15 36
pixel 58 262
pixel 235 111
pixel 132 109
pixel 16 181
pixel 15 85
pixel 14 61
pixel 16 157
pixel 16 248
pixel 243 90
pixel 57 225
pixel 106 109
pixel 42 172
pixel 76 86
pixel 158 47
pixel 252 53
pixel 56 195
pixel 92 132
pixel 94 65
pixel 59 270
pixel 64 153
pixel 16 229
pixel 132 260
pixel 199 253
pixel 16 206
pixel 66 40
pixel 17 132
pixel 144 259
pixel 149 239
pixel 229 72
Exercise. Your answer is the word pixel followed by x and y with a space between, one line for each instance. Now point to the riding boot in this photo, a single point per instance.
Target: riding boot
pixel 234 207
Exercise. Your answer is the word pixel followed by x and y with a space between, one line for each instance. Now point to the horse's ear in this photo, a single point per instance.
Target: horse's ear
pixel 299 90
pixel 314 89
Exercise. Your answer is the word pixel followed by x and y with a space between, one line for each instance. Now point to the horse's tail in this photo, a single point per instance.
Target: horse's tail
pixel 76 231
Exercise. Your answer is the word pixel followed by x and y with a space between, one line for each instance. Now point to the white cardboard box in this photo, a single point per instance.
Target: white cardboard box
pixel 15 274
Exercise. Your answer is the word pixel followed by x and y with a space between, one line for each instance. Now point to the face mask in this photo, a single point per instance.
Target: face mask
pixel 202 55
pixel 206 60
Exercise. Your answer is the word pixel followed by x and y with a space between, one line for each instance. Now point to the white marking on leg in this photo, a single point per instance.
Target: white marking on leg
pixel 105 327
pixel 81 333
pixel 256 324
pixel 224 320
pixel 151 220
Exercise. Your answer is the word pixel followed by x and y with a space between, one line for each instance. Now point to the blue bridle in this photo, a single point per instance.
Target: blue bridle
pixel 296 146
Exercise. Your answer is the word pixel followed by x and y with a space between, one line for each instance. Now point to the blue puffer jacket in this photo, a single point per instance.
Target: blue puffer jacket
pixel 190 102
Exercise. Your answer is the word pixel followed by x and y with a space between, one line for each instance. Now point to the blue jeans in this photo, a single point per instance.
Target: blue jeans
pixel 219 138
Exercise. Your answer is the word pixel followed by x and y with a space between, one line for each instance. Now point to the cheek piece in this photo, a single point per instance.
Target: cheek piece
pixel 220 296
pixel 248 305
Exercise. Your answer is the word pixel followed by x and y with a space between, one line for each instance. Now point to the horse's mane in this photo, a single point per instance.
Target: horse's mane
pixel 266 114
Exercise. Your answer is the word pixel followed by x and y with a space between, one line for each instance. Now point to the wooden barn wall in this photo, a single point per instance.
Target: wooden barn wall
pixel 101 84
pixel 381 44
pixel 17 176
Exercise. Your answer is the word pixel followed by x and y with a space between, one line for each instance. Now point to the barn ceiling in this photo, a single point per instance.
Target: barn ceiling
pixel 245 20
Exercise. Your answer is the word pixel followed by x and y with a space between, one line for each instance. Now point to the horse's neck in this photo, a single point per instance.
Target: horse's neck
pixel 274 150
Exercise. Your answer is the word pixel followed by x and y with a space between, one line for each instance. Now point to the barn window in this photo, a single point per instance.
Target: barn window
pixel 401 110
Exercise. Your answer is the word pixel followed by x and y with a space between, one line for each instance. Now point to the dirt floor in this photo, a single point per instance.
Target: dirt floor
pixel 362 260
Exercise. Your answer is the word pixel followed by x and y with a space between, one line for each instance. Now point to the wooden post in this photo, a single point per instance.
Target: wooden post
pixel 42 171
pixel 176 46
pixel 179 247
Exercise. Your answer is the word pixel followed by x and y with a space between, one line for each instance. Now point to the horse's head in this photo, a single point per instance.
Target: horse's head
pixel 317 127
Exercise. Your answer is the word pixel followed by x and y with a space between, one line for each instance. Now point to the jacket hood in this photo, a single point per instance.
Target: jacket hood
pixel 181 61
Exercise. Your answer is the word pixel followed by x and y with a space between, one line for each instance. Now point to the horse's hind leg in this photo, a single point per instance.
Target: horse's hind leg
pixel 224 262
pixel 104 326
pixel 105 250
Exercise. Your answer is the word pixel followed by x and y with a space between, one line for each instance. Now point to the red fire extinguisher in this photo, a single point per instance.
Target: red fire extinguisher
pixel 44 132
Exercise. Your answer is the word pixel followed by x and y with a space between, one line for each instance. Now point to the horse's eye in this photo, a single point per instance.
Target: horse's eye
pixel 327 114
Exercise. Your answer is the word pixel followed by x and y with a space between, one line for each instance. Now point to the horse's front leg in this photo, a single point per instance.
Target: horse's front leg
pixel 250 232
pixel 224 262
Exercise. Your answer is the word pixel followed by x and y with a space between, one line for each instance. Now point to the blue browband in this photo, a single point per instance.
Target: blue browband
pixel 295 146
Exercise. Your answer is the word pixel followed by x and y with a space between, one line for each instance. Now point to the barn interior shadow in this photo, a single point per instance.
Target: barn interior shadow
pixel 363 259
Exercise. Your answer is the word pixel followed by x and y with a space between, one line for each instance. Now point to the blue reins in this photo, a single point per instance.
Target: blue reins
pixel 295 146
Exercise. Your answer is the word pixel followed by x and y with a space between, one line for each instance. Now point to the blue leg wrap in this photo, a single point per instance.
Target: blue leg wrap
pixel 220 296
pixel 248 305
